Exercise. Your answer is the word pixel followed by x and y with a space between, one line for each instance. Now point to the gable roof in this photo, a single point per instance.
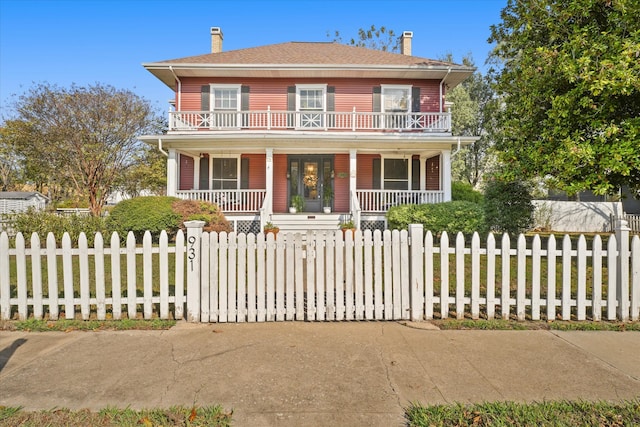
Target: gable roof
pixel 307 59
pixel 21 195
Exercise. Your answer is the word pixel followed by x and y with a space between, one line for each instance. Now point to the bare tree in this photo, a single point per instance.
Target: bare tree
pixel 373 38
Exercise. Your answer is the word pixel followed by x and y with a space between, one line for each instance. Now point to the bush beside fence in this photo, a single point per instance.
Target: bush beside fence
pixel 362 276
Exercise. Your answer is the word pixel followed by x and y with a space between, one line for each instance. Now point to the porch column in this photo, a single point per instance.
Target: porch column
pixel 423 173
pixel 446 174
pixel 269 181
pixel 353 163
pixel 196 173
pixel 172 172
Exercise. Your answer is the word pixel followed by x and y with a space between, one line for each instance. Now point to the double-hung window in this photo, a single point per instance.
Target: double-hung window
pixel 396 174
pixel 396 104
pixel 225 105
pixel 311 105
pixel 225 173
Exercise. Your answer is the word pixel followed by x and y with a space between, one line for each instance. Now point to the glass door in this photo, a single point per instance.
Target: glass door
pixel 311 186
pixel 311 181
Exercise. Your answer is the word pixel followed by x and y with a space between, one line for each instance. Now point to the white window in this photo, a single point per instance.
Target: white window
pixel 311 103
pixel 225 102
pixel 396 103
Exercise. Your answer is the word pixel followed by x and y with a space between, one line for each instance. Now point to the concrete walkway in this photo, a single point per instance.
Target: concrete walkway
pixel 313 374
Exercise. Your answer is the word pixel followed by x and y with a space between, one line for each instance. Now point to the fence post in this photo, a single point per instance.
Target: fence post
pixel 622 269
pixel 194 237
pixel 416 271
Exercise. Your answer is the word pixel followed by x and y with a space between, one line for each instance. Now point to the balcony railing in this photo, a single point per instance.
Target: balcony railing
pixel 240 201
pixel 382 200
pixel 295 120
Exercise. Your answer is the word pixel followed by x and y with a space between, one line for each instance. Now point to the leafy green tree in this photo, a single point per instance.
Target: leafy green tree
pixel 569 84
pixel 507 206
pixel 471 110
pixel 148 172
pixel 373 38
pixel 83 137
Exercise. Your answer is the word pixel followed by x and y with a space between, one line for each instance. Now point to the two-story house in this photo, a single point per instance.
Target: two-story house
pixel 352 129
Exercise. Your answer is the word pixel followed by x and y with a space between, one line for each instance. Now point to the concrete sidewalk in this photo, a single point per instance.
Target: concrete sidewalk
pixel 313 374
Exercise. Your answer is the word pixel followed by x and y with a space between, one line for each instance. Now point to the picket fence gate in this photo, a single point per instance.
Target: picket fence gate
pixel 388 275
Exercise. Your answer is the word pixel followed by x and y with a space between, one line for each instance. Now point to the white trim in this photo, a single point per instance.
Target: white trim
pixel 214 86
pixel 238 158
pixel 300 87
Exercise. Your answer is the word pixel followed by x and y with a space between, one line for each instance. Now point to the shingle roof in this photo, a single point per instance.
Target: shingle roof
pixel 319 53
pixel 19 195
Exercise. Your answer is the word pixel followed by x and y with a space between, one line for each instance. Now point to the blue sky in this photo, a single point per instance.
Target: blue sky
pixel 106 41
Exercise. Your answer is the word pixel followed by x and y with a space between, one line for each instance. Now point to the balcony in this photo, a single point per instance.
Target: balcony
pixel 183 121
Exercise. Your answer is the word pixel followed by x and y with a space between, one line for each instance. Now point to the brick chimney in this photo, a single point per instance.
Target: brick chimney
pixel 216 40
pixel 405 42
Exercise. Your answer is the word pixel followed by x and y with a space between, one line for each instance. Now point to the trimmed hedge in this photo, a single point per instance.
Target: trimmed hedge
pixel 43 223
pixel 452 217
pixel 153 213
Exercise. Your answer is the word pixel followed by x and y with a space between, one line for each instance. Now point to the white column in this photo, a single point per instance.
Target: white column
pixel 269 180
pixel 423 173
pixel 353 163
pixel 445 177
pixel 172 173
pixel 196 173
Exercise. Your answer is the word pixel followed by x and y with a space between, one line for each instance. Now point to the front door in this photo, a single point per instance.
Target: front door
pixel 310 178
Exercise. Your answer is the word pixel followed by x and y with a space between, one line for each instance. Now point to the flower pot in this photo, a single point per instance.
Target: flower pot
pixel 327 209
pixel 292 210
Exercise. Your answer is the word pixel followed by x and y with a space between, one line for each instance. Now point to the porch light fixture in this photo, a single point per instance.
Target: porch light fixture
pixel 333 174
pixel 288 175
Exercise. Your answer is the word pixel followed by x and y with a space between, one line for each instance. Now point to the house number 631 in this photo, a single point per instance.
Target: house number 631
pixel 191 252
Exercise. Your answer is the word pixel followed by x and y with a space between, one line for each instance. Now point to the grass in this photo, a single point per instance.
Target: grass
pixel 174 416
pixel 511 325
pixel 33 325
pixel 561 413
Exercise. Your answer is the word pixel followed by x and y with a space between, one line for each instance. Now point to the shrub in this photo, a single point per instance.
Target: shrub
pixel 462 191
pixel 42 223
pixel 157 213
pixel 452 217
pixel 508 207
pixel 153 213
pixel 193 210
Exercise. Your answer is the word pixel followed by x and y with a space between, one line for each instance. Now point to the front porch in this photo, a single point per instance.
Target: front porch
pixel 250 208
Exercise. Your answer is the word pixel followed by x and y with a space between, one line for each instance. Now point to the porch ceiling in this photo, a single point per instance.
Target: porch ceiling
pixel 301 142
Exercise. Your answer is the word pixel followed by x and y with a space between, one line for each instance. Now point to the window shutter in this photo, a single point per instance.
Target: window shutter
pixel 377 106
pixel 415 174
pixel 291 105
pixel 204 173
pixel 415 99
pixel 244 98
pixel 244 173
pixel 204 97
pixel 376 173
pixel 331 98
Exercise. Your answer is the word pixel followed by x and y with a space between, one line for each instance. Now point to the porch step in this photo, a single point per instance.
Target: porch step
pixel 302 222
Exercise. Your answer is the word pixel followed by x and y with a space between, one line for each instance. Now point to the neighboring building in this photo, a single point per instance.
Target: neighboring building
pixel 21 201
pixel 253 128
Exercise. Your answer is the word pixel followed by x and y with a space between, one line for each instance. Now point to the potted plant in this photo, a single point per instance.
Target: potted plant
pixel 327 195
pixel 270 228
pixel 297 203
pixel 347 225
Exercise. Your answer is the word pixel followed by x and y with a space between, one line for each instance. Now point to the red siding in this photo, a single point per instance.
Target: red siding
pixel 433 173
pixel 186 172
pixel 341 183
pixel 257 171
pixel 349 93
pixel 364 180
pixel 280 183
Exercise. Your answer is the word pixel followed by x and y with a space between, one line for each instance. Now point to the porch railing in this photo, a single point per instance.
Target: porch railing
pixel 296 120
pixel 382 200
pixel 228 200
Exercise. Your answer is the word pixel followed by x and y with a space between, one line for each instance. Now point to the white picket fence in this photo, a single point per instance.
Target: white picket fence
pixel 95 295
pixel 317 277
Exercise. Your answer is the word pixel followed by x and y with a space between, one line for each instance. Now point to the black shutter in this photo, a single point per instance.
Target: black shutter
pixel 204 173
pixel 291 105
pixel 244 173
pixel 377 106
pixel 415 99
pixel 244 104
pixel 376 173
pixel 204 97
pixel 331 105
pixel 415 174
